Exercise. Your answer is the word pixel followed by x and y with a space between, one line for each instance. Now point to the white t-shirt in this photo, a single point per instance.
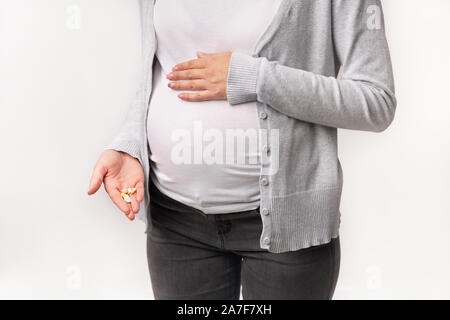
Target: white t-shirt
pixel 205 154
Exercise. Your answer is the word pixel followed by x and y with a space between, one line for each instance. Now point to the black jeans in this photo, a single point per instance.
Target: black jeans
pixel 192 255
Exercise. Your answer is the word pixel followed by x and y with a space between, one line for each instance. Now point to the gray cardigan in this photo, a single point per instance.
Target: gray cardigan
pixel 319 66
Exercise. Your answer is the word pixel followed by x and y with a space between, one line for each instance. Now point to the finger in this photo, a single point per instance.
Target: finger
pixel 118 201
pixel 134 205
pixel 190 64
pixel 96 179
pixel 195 97
pixel 188 85
pixel 131 216
pixel 140 191
pixel 191 74
pixel 201 54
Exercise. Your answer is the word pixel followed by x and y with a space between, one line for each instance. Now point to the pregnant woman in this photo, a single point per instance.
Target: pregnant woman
pixel 231 142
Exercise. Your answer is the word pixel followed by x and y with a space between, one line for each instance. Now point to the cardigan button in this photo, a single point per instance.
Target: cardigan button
pixel 265 211
pixel 266 240
pixel 266 149
pixel 264 182
pixel 263 115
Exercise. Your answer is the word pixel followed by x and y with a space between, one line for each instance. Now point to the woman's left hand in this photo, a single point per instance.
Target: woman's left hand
pixel 207 75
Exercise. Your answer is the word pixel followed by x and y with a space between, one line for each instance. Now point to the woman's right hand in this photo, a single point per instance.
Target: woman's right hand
pixel 119 171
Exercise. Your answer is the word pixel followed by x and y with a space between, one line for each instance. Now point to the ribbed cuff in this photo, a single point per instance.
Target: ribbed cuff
pixel 130 147
pixel 242 78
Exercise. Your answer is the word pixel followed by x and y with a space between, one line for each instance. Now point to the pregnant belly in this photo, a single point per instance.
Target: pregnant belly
pixel 204 154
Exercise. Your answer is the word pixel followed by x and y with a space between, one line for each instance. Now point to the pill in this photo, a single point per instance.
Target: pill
pixel 126 197
pixel 125 193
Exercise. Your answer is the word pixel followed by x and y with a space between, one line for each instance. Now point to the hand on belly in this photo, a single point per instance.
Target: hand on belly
pixel 207 75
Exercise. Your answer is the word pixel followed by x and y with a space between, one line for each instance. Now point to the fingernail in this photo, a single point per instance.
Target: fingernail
pixel 175 68
pixel 170 76
pixel 171 84
pixel 181 96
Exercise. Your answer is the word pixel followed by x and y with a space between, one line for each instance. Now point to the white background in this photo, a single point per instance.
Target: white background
pixel 65 86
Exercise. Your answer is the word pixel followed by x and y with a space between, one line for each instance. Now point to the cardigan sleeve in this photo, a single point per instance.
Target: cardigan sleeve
pixel 360 97
pixel 130 138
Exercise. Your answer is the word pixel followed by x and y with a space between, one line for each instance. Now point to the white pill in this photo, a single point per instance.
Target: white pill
pixel 127 198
